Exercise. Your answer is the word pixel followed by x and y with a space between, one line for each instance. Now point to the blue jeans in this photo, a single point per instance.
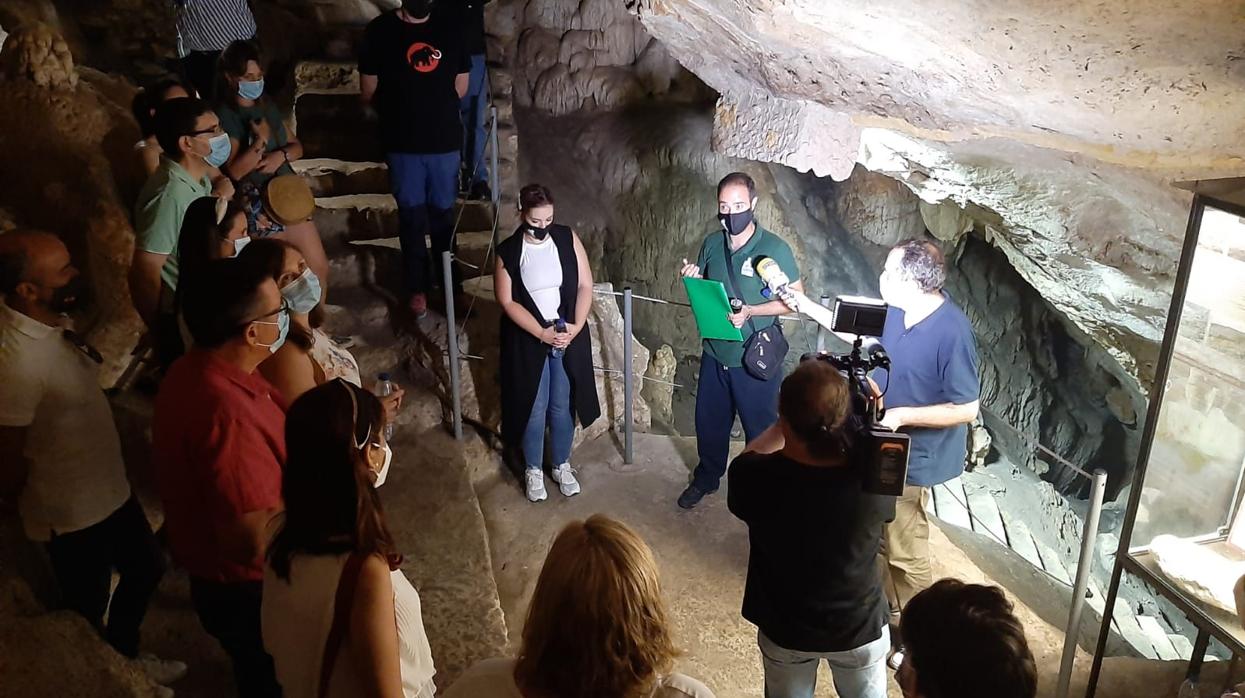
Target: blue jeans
pixel 858 673
pixel 473 110
pixel 721 394
pixel 426 187
pixel 552 406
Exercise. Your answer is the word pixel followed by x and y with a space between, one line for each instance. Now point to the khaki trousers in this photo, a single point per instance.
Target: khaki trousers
pixel 905 558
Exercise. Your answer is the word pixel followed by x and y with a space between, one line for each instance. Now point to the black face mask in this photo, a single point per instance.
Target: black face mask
pixel 534 231
pixel 736 223
pixel 417 8
pixel 69 297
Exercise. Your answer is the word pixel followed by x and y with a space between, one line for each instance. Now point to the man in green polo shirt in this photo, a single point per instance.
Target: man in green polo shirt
pixel 194 147
pixel 726 388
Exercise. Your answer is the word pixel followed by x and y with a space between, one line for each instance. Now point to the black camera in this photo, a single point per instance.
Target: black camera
pixel 882 452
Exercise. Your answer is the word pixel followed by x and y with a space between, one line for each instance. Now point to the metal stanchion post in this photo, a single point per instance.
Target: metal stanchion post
pixel 1083 568
pixel 821 331
pixel 628 381
pixel 494 175
pixel 451 328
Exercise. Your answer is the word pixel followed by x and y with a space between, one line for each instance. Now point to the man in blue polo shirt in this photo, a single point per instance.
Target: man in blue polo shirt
pixel 726 388
pixel 932 395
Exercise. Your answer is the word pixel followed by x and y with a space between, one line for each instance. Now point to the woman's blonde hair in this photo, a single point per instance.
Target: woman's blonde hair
pixel 597 624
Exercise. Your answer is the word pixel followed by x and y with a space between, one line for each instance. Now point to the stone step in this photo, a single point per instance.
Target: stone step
pixel 375 216
pixel 481 288
pixel 355 217
pixel 331 177
pixel 474 250
pixel 336 127
pixel 326 77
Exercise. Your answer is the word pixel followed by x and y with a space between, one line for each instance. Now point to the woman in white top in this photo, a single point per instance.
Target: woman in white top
pixel 544 284
pixel 596 626
pixel 333 545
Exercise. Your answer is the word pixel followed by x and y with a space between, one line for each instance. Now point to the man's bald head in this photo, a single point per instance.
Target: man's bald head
pixel 22 254
pixel 33 263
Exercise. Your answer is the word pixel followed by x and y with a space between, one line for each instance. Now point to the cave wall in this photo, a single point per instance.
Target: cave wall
pixel 635 174
pixel 66 136
pixel 1042 377
pixel 1067 122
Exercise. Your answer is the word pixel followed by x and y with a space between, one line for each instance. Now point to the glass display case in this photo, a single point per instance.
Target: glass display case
pixel 1183 534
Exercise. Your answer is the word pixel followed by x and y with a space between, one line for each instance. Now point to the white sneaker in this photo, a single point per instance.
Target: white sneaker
pixel 162 671
pixel 565 476
pixel 536 486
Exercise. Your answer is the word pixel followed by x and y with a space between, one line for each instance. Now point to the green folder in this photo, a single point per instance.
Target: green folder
pixel 711 307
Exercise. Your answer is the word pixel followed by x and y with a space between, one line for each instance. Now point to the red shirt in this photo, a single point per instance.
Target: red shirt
pixel 218 446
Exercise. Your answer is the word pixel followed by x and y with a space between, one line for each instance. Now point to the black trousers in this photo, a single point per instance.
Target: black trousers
pixel 83 562
pixel 229 612
pixel 199 69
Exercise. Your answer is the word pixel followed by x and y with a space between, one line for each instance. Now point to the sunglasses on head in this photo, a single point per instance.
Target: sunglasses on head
pixel 81 345
pixel 354 415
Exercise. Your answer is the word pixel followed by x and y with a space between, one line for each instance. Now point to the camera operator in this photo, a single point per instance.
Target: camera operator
pixel 727 386
pixel 931 394
pixel 814 589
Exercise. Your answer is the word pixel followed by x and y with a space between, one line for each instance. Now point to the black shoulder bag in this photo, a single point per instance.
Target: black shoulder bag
pixel 764 349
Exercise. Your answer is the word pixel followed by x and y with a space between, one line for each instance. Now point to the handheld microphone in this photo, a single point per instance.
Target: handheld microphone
pixel 772 275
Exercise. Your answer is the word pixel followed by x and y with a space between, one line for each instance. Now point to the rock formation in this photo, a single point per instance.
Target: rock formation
pixel 70 169
pixel 1061 123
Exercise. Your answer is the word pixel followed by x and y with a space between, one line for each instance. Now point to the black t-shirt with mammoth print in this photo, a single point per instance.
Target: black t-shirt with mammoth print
pixel 415 66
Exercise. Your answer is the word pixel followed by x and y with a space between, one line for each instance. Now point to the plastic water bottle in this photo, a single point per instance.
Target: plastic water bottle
pixel 560 327
pixel 1189 689
pixel 384 388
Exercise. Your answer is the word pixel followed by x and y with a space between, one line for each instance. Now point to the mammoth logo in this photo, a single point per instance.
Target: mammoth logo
pixel 422 57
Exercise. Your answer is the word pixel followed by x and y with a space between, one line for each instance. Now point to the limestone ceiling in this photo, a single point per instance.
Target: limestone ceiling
pixel 1062 120
pixel 1132 82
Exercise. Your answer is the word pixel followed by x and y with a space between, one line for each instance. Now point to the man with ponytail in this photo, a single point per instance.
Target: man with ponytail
pixel 814 589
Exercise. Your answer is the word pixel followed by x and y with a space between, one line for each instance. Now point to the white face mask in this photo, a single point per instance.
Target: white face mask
pixel 384 468
pixel 240 243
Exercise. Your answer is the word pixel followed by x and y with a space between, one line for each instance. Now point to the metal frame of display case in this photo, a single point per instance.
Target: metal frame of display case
pixel 1226 195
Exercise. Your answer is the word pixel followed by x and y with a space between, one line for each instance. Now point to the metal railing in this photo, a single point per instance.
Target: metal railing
pixel 1097 478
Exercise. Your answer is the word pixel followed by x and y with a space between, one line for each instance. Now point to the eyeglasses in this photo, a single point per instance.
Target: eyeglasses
pixel 285 308
pixel 203 132
pixel 81 345
pixel 354 415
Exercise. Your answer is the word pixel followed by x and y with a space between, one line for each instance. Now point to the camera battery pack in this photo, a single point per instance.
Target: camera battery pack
pixel 888 470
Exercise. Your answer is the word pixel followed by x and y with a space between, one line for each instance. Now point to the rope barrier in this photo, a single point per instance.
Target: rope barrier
pixel 602 369
pixel 602 292
pixel 1038 446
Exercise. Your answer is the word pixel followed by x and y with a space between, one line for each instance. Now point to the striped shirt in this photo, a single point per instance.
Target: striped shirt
pixel 211 25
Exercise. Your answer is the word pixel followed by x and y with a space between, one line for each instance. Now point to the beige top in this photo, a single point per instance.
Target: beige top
pixel 332 360
pixel 494 678
pixel 297 615
pixel 47 385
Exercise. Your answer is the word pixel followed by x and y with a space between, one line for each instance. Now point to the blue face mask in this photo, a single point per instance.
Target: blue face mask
pixel 303 293
pixel 248 89
pixel 220 150
pixel 283 330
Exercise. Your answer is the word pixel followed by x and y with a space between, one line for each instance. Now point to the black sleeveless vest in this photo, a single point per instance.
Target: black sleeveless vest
pixel 522 355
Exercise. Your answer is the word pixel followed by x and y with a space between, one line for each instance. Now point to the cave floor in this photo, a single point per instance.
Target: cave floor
pixel 702 555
